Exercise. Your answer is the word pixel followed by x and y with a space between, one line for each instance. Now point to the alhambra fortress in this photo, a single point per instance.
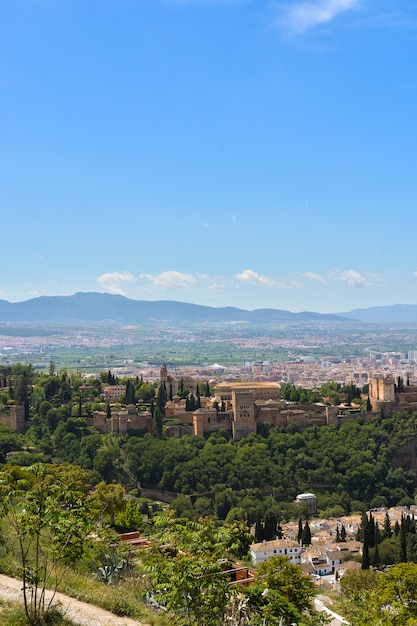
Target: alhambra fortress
pixel 238 407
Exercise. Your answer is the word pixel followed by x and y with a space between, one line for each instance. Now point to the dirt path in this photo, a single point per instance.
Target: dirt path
pixel 80 613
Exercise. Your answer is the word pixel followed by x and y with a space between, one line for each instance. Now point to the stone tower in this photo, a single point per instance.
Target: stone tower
pixel 243 413
pixel 163 374
pixel 382 393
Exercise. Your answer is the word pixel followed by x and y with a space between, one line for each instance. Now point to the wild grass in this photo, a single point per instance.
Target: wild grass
pixel 12 614
pixel 124 598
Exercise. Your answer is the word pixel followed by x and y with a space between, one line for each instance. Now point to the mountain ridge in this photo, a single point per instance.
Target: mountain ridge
pixel 109 308
pixel 118 309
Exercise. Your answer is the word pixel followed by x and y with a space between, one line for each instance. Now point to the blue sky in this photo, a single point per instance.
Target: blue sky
pixel 253 153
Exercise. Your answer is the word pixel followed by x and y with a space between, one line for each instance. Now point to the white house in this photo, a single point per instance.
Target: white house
pixel 264 550
pixel 321 561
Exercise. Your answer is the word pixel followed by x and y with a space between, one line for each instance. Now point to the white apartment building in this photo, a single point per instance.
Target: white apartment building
pixel 264 550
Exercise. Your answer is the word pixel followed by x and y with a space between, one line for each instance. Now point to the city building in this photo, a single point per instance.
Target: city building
pixel 122 421
pixel 113 393
pixel 264 550
pixel 309 499
pixel 175 384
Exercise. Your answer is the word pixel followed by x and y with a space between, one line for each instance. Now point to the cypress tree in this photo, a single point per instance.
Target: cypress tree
pixel 376 558
pixel 371 531
pixel 368 405
pixel 158 421
pixel 259 535
pixel 403 545
pixel 130 393
pixel 362 527
pixel 343 534
pixel 365 554
pixel 191 402
pixel 270 528
pixel 306 535
pixel 207 393
pixel 161 399
pixel 300 530
pixel 387 531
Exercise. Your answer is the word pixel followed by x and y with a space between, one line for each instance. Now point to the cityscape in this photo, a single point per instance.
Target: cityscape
pixel 305 355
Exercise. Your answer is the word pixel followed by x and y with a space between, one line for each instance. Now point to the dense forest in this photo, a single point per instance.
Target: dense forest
pixel 349 468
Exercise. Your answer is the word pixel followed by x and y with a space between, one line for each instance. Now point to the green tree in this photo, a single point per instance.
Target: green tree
pixel 365 554
pixel 158 421
pixel 389 599
pixel 108 500
pixel 191 575
pixel 46 510
pixel 161 399
pixel 306 535
pixel 387 530
pixel 259 530
pixel 282 592
pixel 300 530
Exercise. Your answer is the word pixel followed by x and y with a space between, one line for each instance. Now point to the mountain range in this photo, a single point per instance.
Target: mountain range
pixel 116 309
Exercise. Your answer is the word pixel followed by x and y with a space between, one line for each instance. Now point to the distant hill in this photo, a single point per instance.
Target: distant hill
pixel 395 314
pixel 108 308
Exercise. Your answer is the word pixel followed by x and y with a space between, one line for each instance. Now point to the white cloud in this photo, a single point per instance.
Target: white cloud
pixel 352 278
pixel 415 274
pixel 112 280
pixel 253 278
pixel 378 279
pixel 249 276
pixel 313 276
pixel 304 15
pixel 170 280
